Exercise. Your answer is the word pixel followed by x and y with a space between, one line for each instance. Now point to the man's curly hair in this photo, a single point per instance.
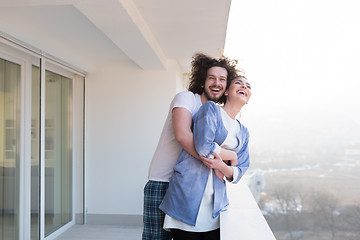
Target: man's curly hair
pixel 200 65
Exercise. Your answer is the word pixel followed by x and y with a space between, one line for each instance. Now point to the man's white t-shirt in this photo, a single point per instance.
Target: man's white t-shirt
pixel 168 149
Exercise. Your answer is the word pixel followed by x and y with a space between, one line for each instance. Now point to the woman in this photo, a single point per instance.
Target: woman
pixel 195 196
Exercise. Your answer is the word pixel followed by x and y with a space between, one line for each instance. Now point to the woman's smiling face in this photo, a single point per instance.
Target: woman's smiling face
pixel 239 89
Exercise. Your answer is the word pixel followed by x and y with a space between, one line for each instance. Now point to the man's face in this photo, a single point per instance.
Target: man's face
pixel 215 83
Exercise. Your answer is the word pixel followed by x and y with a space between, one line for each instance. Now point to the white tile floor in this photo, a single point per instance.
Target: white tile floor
pixel 101 232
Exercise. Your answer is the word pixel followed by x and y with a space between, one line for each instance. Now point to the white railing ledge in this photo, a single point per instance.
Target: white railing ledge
pixel 243 218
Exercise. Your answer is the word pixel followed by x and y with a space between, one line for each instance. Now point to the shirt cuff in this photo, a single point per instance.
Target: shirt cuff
pixel 235 174
pixel 217 149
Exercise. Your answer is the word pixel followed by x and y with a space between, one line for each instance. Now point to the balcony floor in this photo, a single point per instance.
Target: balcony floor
pixel 242 220
pixel 101 232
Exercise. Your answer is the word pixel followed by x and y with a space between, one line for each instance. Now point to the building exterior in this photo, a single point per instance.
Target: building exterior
pixel 85 87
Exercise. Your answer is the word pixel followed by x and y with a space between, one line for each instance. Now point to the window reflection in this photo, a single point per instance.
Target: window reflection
pixel 9 149
pixel 58 151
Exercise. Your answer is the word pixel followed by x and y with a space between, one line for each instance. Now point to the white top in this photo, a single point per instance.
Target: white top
pixel 231 141
pixel 233 127
pixel 168 149
pixel 205 221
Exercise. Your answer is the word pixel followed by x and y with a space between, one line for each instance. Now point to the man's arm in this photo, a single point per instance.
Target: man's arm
pixel 182 120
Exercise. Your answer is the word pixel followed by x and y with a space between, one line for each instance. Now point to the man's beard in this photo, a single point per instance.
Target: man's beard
pixel 210 97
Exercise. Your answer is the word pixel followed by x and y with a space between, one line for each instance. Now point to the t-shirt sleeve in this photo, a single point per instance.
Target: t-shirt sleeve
pixel 184 100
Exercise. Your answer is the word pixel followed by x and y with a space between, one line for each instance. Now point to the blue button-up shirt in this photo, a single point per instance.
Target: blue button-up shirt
pixel 187 185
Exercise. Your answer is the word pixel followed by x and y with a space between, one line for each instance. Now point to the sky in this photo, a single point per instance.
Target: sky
pixel 302 58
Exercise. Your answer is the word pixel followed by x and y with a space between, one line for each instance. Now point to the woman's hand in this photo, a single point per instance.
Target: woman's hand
pixel 220 168
pixel 229 157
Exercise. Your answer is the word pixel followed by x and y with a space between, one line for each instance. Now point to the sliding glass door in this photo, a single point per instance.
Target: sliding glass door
pixel 58 151
pixel 36 146
pixel 10 99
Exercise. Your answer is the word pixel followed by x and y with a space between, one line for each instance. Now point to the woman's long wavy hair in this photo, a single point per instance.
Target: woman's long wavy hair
pixel 200 65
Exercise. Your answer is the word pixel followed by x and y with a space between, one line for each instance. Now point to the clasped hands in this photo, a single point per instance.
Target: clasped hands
pixel 217 163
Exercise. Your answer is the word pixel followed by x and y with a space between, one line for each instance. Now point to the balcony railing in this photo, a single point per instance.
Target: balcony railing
pixel 243 219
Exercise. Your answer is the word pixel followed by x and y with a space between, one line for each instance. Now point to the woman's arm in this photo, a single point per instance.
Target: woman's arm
pixel 205 127
pixel 221 169
pixel 243 158
pixel 232 173
pixel 228 156
pixel 182 120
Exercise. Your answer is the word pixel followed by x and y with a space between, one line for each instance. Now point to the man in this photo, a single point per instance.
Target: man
pixel 208 81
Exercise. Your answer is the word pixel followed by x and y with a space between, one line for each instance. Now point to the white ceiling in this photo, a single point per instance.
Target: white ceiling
pixel 149 32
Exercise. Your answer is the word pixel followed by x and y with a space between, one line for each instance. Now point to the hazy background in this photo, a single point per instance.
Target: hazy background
pixel 302 59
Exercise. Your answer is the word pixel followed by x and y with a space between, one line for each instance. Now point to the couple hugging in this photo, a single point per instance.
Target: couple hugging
pixel 202 145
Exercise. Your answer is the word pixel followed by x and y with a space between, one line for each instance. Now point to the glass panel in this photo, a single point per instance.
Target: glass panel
pixel 9 149
pixel 58 151
pixel 35 149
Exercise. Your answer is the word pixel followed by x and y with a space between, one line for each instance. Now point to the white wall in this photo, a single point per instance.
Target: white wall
pixel 125 111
